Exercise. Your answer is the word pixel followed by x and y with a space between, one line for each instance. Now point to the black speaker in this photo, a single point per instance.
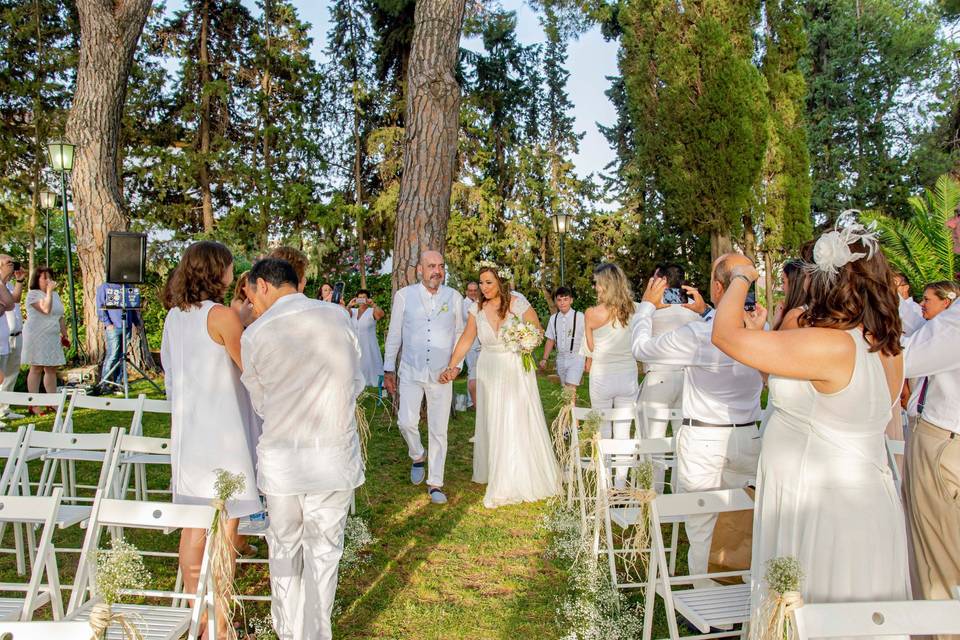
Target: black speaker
pixel 126 257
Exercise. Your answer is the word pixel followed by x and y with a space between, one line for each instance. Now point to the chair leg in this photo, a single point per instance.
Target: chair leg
pixel 674 545
pixel 650 596
pixel 18 546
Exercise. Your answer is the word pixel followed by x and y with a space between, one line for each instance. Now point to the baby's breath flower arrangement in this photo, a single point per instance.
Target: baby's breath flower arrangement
pixel 227 486
pixel 118 569
pixel 263 628
pixel 356 539
pixel 784 578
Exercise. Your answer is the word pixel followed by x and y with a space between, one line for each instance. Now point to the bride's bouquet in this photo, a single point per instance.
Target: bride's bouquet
pixel 522 338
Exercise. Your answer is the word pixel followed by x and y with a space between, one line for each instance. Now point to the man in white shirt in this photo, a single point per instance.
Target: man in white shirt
pixel 718 444
pixel 472 295
pixel 301 365
pixel 427 320
pixel 932 476
pixel 11 328
pixel 565 332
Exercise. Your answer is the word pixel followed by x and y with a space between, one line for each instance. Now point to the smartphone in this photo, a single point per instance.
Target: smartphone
pixel 337 292
pixel 675 295
pixel 750 304
pixel 16 265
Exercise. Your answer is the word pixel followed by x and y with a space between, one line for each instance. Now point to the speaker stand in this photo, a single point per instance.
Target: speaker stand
pixel 125 361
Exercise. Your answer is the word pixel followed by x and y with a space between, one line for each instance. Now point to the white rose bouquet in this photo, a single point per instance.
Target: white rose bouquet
pixel 521 338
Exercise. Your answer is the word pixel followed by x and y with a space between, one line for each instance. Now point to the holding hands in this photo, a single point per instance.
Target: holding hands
pixel 449 375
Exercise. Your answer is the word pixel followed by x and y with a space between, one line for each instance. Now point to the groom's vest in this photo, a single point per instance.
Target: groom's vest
pixel 429 332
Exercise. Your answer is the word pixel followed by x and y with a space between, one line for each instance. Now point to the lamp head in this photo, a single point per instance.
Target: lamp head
pixel 48 199
pixel 562 222
pixel 61 155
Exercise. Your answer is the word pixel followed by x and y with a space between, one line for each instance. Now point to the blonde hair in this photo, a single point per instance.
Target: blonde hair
pixel 945 290
pixel 615 292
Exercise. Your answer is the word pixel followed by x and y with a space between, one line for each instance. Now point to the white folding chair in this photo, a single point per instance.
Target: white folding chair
pixel 155 622
pixel 577 492
pixel 56 401
pixel 895 448
pixel 854 619
pixel 136 463
pixel 44 630
pixel 13 482
pixel 647 412
pixel 720 606
pixel 623 513
pixel 32 510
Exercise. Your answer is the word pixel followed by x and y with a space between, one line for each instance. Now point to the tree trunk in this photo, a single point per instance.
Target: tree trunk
pixel 430 136
pixel 720 243
pixel 749 238
pixel 204 177
pixel 358 188
pixel 770 280
pixel 109 31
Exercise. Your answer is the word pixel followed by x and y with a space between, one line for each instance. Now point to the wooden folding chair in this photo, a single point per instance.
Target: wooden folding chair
pixel 155 622
pixel 856 619
pixel 623 513
pixel 720 606
pixel 30 511
pixel 580 465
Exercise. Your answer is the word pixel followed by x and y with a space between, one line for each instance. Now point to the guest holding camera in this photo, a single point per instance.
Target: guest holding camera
pixel 45 332
pixel 365 314
pixel 11 327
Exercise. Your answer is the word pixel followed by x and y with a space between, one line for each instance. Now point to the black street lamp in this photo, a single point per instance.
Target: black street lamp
pixel 48 200
pixel 561 224
pixel 61 160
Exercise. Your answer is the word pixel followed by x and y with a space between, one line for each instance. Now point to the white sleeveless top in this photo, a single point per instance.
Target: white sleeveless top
pixel 612 348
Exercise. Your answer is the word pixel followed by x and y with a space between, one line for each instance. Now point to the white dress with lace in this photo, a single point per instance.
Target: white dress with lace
pixel 512 453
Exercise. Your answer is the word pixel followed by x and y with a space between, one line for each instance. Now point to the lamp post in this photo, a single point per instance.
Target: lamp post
pixel 61 160
pixel 561 224
pixel 48 200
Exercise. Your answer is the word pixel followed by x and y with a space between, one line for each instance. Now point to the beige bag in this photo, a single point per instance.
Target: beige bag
pixel 732 544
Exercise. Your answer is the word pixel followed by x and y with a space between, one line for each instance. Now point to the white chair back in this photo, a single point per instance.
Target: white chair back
pixel 57 401
pixel 44 630
pixel 854 619
pixel 100 403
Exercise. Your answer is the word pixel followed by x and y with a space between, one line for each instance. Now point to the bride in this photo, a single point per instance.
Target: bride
pixel 512 453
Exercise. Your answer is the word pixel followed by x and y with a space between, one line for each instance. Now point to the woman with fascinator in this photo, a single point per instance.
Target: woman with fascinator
pixel 825 494
pixel 512 452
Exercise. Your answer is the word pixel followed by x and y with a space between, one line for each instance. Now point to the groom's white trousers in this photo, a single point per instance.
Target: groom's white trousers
pixel 439 396
pixel 305 540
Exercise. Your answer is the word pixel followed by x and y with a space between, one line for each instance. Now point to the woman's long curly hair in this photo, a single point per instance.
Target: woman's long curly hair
pixel 615 292
pixel 861 293
pixel 199 276
pixel 502 286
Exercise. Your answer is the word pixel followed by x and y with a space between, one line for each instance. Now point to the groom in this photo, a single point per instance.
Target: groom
pixel 301 365
pixel 427 319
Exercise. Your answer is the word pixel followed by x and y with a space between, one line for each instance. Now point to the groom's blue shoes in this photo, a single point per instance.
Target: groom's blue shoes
pixel 437 496
pixel 418 472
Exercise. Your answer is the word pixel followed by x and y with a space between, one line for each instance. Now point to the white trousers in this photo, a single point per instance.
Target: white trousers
pixel 711 458
pixel 660 391
pixel 305 542
pixel 11 368
pixel 570 369
pixel 439 397
pixel 612 391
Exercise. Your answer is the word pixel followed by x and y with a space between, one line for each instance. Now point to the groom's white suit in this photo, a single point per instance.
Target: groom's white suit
pixel 427 326
pixel 301 364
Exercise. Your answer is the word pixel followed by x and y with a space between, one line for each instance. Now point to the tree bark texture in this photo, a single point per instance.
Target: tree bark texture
pixel 204 173
pixel 430 137
pixel 109 31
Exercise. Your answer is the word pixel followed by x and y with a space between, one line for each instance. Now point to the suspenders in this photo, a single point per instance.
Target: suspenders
pixel 572 333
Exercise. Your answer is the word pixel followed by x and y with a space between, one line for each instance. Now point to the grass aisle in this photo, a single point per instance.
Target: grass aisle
pixel 453 571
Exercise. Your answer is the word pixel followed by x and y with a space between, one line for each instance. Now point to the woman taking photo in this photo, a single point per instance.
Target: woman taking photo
pixel 44 332
pixel 212 414
pixel 365 314
pixel 824 482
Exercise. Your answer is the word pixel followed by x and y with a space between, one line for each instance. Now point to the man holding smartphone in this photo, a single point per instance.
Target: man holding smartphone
pixel 12 277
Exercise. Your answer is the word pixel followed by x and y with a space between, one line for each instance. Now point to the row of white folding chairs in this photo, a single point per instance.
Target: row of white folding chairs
pixel 109 511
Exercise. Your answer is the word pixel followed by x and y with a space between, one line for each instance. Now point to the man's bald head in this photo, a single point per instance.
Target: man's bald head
pixel 431 269
pixel 722 273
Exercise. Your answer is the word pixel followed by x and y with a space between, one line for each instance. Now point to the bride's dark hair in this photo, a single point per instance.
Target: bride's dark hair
pixel 504 288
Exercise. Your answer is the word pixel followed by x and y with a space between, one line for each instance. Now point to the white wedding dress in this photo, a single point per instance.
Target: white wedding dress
pixel 825 493
pixel 512 453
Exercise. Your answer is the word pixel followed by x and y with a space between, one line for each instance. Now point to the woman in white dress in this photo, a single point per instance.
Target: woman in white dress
pixel 44 332
pixel 365 314
pixel 512 452
pixel 825 493
pixel 212 414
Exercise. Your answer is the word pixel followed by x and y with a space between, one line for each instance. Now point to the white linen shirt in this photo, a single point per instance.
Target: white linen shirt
pixel 15 315
pixel 933 350
pixel 716 388
pixel 467 303
pixel 428 327
pixel 301 365
pixel 911 316
pixel 566 325
pixel 666 320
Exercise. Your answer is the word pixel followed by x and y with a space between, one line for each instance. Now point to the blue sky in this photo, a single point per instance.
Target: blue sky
pixel 590 59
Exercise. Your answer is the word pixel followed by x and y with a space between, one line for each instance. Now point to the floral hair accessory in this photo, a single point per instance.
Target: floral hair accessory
pixel 951 295
pixel 832 250
pixel 502 272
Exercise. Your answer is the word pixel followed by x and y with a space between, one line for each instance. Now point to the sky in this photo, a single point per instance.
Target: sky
pixel 589 59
